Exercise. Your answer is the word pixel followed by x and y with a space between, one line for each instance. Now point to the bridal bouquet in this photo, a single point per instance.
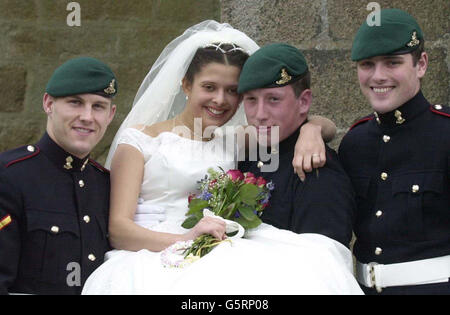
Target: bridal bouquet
pixel 234 196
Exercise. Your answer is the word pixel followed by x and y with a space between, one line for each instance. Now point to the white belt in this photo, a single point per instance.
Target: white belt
pixel 433 270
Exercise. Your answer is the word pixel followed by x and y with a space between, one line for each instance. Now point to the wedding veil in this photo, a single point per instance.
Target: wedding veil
pixel 160 96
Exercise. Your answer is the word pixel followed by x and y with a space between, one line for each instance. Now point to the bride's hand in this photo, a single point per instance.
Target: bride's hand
pixel 309 151
pixel 208 225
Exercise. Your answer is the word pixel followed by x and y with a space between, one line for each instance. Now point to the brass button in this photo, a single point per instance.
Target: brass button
pixel 81 183
pixel 30 148
pixel 384 176
pixel 415 188
pixel 379 213
pixel 55 229
pixel 260 164
pixel 86 219
pixel 378 251
pixel 91 257
pixel 386 139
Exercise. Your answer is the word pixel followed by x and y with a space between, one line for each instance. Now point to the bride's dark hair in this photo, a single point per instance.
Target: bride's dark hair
pixel 226 54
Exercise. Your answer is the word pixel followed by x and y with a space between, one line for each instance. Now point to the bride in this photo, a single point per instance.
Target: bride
pixel 196 76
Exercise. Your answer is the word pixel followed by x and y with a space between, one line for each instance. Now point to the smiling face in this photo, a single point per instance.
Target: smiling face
pixel 269 107
pixel 390 81
pixel 77 123
pixel 212 95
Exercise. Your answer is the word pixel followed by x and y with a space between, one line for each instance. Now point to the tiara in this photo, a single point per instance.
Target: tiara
pixel 223 51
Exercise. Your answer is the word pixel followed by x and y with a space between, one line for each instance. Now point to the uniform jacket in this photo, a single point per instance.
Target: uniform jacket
pixel 399 163
pixel 53 219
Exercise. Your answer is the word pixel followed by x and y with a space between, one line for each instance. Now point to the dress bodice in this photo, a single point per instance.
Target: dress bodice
pixel 172 167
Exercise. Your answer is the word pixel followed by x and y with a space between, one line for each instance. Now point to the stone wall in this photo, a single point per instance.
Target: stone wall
pixel 130 34
pixel 324 30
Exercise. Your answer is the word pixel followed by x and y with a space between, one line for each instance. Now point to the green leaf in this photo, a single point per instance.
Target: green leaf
pixel 190 222
pixel 246 224
pixel 229 211
pixel 197 205
pixel 247 213
pixel 249 193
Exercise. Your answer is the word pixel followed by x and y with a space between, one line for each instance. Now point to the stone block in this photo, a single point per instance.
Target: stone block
pixel 289 21
pixel 345 17
pixel 17 130
pixel 132 11
pixel 14 10
pixel 335 87
pixel 436 82
pixel 13 86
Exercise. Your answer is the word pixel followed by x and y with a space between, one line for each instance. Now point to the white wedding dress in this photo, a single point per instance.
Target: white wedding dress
pixel 268 261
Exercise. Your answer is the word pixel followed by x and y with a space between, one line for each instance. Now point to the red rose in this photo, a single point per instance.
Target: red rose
pixel 250 180
pixel 261 182
pixel 191 196
pixel 235 175
pixel 249 175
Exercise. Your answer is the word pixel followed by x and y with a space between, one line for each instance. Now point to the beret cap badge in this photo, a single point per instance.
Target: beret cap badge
pixel 285 77
pixel 111 89
pixel 414 41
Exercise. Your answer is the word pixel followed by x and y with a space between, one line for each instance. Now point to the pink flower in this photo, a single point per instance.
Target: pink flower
pixel 249 174
pixel 261 181
pixel 250 180
pixel 235 175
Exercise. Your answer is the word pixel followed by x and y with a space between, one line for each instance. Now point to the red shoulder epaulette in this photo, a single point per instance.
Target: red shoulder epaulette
pixel 22 154
pixel 98 166
pixel 363 120
pixel 440 110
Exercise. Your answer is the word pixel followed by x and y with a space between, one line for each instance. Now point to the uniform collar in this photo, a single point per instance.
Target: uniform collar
pixel 405 113
pixel 287 144
pixel 62 159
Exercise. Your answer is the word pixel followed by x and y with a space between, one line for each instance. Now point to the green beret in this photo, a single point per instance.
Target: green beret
pixel 81 76
pixel 273 65
pixel 398 33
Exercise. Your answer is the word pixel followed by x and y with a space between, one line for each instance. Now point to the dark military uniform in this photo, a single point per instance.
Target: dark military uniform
pixel 399 163
pixel 54 211
pixel 323 204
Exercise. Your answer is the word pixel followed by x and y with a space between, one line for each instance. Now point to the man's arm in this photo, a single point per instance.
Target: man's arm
pixel 9 235
pixel 325 204
pixel 310 147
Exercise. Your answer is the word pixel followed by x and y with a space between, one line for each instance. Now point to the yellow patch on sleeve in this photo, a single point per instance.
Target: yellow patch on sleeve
pixel 5 222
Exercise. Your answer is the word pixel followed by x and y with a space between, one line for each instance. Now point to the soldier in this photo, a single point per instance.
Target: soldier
pixel 54 199
pixel 275 82
pixel 399 161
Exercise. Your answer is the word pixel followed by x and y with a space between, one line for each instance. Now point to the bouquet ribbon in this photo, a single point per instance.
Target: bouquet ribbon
pixel 231 226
